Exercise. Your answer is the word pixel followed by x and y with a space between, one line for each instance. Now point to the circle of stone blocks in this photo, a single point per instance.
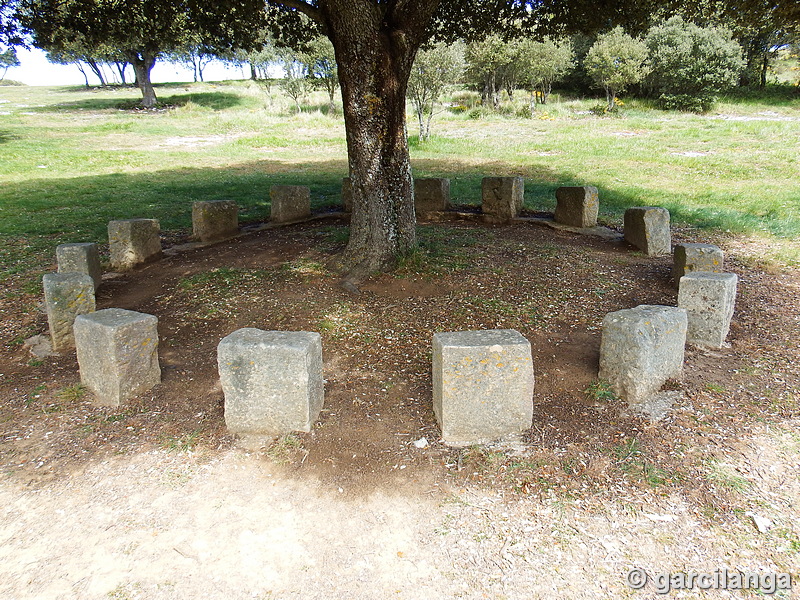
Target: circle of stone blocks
pixel 502 198
pixel 482 385
pixel 117 353
pixel 289 202
pixel 66 295
pixel 688 258
pixel 647 228
pixel 640 349
pixel 577 206
pixel 80 258
pixel 431 194
pixel 133 242
pixel 272 380
pixel 347 194
pixel 214 219
pixel 709 300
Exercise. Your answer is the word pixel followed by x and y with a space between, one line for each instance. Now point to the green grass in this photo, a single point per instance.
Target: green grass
pixel 73 159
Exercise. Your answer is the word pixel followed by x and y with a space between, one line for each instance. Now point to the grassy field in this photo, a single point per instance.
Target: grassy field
pixel 73 159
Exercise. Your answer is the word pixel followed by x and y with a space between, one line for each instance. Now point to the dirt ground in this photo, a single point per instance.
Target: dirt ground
pixel 155 500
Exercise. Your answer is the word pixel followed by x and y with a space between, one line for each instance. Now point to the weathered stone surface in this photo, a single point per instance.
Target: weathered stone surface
pixel 347 194
pixel 640 349
pixel 709 300
pixel 133 242
pixel 290 202
pixel 117 354
pixel 482 385
pixel 80 258
pixel 66 295
pixel 502 198
pixel 215 220
pixel 272 380
pixel 577 206
pixel 647 228
pixel 431 195
pixel 688 258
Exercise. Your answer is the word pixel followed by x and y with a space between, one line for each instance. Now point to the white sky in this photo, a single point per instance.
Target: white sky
pixel 35 70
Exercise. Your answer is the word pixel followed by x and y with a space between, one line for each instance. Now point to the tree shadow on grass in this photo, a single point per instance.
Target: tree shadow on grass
pixel 53 211
pixel 7 136
pixel 210 100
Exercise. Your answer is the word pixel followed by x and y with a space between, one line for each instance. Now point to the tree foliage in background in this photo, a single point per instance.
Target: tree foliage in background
pixel 434 70
pixel 141 30
pixel 544 63
pixel 485 63
pixel 8 59
pixel 689 64
pixel 615 62
pixel 320 60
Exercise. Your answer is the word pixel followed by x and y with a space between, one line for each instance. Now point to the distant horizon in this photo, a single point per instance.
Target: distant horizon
pixel 36 70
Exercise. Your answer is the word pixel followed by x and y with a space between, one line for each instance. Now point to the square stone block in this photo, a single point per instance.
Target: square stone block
pixel 117 353
pixel 502 198
pixel 577 206
pixel 347 194
pixel 272 380
pixel 640 349
pixel 66 295
pixel 80 258
pixel 482 385
pixel 688 258
pixel 709 300
pixel 290 202
pixel 647 228
pixel 215 220
pixel 431 195
pixel 133 242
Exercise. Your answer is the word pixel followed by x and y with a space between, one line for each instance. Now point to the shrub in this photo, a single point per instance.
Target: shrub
pixel 616 61
pixel 690 64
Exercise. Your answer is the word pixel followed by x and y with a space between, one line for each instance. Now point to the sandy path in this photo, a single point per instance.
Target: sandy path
pixel 167 525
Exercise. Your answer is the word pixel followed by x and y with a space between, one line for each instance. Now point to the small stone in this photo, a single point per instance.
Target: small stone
pixel 117 354
pixel 577 206
pixel 647 228
pixel 215 220
pixel 709 300
pixel 502 198
pixel 40 346
pixel 133 242
pixel 66 295
pixel 290 203
pixel 80 258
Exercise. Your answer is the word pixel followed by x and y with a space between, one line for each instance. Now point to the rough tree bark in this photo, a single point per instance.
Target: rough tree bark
pixel 143 63
pixel 375 45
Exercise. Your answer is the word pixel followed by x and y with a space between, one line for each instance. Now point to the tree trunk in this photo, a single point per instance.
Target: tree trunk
pixel 143 63
pixel 121 69
pixel 253 73
pixel 764 70
pixel 96 70
pixel 375 46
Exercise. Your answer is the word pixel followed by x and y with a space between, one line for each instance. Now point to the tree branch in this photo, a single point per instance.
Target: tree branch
pixel 312 12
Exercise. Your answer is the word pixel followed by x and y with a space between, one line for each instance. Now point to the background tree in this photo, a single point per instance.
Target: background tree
pixel 544 63
pixel 485 61
pixel 434 69
pixel 194 55
pixel 615 62
pixel 691 63
pixel 295 82
pixel 140 30
pixel 8 59
pixel 320 61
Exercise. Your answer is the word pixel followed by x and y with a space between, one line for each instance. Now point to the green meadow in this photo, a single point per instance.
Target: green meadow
pixel 71 159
